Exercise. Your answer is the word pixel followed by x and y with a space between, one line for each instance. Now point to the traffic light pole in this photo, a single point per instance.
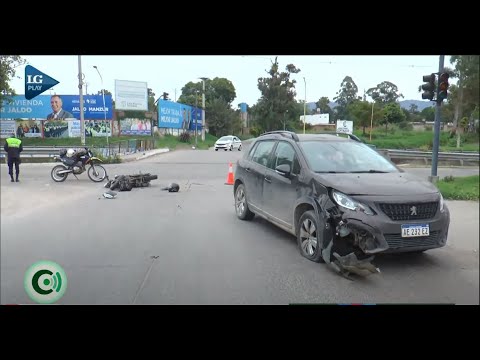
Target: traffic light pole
pixel 436 137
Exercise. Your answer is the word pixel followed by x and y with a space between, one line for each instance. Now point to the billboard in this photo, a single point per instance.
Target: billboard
pixel 131 95
pixel 317 119
pixel 345 126
pixel 173 115
pixel 40 108
pixel 133 126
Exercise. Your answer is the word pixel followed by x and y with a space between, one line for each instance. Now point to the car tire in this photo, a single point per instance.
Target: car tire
pixel 216 149
pixel 241 206
pixel 307 232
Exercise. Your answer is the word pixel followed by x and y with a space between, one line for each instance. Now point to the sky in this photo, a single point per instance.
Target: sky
pixel 323 74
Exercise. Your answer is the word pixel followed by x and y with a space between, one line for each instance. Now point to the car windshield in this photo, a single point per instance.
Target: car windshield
pixel 344 157
pixel 225 138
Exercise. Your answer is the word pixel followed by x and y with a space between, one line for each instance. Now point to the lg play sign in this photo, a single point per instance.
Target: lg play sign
pixel 37 82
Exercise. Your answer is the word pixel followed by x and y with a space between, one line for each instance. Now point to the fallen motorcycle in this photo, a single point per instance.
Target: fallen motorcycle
pixel 77 162
pixel 127 182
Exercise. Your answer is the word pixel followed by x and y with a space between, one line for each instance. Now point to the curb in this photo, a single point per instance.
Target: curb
pixel 145 155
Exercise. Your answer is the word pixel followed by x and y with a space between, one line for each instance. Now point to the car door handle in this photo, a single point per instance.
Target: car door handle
pixel 247 169
pixel 267 179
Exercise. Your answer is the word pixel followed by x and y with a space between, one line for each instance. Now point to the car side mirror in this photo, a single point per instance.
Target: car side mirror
pixel 284 170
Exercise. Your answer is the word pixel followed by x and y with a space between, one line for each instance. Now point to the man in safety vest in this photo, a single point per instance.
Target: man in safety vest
pixel 13 147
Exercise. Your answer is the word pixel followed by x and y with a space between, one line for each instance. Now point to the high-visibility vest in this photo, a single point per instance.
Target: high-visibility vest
pixel 14 142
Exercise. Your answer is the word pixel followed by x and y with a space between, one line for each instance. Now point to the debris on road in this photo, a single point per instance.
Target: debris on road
pixel 172 187
pixel 109 194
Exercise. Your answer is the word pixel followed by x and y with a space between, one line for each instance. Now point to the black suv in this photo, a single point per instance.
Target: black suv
pixel 342 200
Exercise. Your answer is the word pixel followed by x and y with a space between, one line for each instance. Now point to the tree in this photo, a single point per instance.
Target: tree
pixel 217 88
pixel 393 114
pixel 323 105
pixel 277 96
pixel 413 109
pixel 428 114
pixel 151 100
pixel 385 92
pixel 347 94
pixel 361 112
pixel 8 68
pixel 222 120
pixel 466 99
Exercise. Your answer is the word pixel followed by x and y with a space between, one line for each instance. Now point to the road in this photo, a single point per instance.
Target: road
pixel 149 246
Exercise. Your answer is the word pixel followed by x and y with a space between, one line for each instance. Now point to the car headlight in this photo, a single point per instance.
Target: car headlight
pixel 441 203
pixel 348 203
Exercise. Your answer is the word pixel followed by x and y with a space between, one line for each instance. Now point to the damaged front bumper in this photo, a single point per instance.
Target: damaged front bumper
pixel 359 236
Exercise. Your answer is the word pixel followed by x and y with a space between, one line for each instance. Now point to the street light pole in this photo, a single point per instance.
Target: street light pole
pixel 196 118
pixel 104 109
pixel 203 108
pixel 305 105
pixel 80 83
pixel 371 122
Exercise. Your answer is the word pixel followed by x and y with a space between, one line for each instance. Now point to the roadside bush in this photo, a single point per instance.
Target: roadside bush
pixel 185 137
pixel 405 125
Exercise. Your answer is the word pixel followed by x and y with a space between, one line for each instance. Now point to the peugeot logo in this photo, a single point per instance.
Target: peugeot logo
pixel 413 211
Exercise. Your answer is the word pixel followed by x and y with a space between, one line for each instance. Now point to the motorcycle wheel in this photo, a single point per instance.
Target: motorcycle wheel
pixel 58 177
pixel 97 173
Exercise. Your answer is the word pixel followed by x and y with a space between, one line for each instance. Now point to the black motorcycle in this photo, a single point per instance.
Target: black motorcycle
pixel 76 164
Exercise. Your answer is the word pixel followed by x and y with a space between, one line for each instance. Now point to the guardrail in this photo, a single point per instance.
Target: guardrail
pixel 426 156
pixel 123 147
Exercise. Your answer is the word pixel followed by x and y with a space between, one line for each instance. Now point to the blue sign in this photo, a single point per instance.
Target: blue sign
pixel 243 107
pixel 196 117
pixel 173 115
pixel 39 107
pixel 37 82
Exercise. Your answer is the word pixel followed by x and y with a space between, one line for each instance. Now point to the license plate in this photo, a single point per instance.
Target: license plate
pixel 415 230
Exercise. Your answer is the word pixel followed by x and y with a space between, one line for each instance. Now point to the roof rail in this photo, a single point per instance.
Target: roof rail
pixel 350 136
pixel 293 135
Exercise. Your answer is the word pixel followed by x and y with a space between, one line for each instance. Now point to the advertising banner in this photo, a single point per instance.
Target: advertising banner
pixel 95 128
pixel 7 128
pixel 55 129
pixel 131 126
pixel 28 128
pixel 74 129
pixel 174 115
pixel 41 107
pixel 131 95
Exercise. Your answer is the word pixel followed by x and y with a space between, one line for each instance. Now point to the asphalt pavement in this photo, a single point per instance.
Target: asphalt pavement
pixel 149 246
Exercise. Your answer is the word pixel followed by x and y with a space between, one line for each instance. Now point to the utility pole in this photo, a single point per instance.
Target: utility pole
pixel 80 83
pixel 196 117
pixel 203 108
pixel 305 106
pixel 436 137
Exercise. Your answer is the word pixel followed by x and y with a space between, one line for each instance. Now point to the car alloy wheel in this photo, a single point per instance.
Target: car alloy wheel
pixel 241 206
pixel 307 237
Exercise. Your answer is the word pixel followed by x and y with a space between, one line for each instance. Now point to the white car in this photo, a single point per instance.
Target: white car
pixel 229 142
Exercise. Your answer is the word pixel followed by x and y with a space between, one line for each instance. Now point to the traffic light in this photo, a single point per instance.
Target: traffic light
pixel 442 87
pixel 429 87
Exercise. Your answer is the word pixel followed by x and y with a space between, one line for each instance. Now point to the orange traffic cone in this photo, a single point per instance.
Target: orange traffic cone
pixel 230 175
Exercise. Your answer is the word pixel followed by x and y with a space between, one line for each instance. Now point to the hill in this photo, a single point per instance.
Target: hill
pixel 404 104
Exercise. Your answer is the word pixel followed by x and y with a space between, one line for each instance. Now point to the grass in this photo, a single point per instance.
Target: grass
pixel 89 141
pixel 421 140
pixel 172 142
pixel 460 188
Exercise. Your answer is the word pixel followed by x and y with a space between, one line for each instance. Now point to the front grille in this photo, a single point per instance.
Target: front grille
pixel 395 241
pixel 405 211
